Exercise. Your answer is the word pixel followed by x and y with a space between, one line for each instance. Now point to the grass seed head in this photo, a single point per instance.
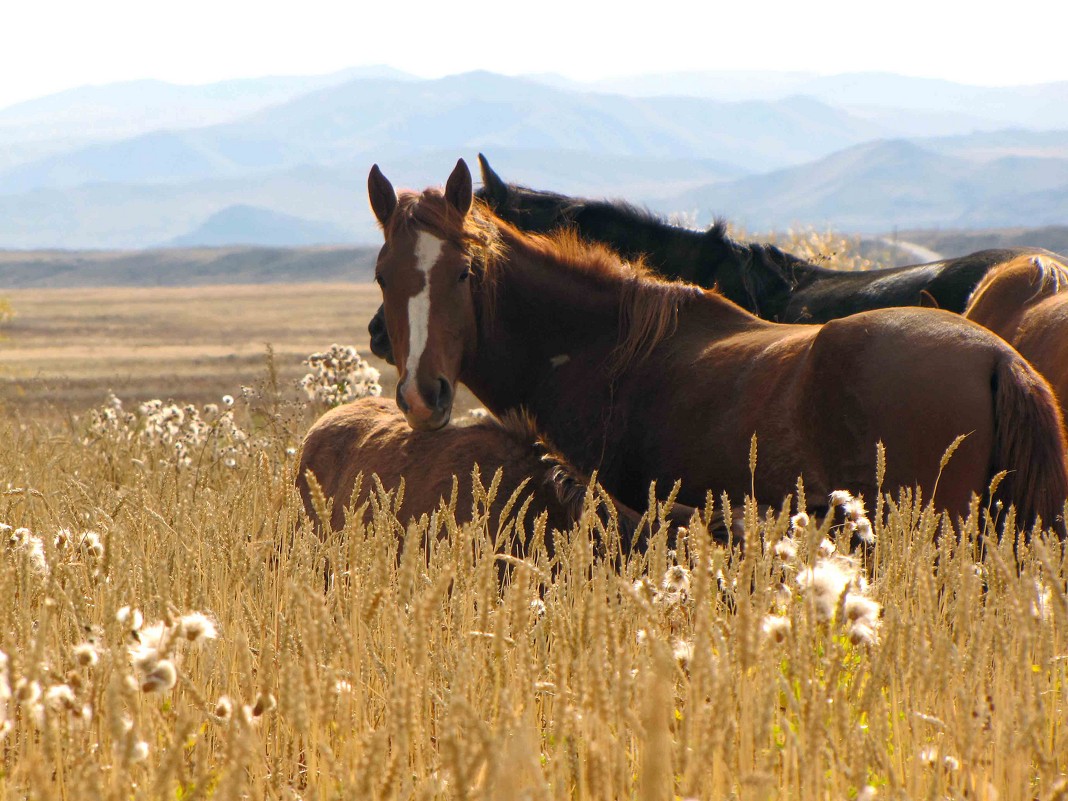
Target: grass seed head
pixel 130 618
pixel 139 751
pixel 825 582
pixel 840 498
pixel 683 653
pixel 197 627
pixel 264 704
pixel 676 580
pixel 786 549
pixel 799 522
pixel 85 654
pixel 161 677
pixel 865 532
pixel 776 628
pixel 27 692
pixel 224 708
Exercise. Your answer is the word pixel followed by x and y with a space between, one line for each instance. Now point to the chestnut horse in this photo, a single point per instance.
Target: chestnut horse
pixel 370 437
pixel 1025 302
pixel 764 279
pixel 644 380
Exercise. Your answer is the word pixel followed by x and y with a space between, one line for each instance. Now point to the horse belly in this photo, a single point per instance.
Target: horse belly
pixel 701 431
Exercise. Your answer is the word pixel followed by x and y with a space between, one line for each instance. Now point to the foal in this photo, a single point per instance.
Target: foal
pixel 1025 302
pixel 370 437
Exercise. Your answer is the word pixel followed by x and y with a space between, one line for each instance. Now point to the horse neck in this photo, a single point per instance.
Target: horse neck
pixel 673 252
pixel 552 344
pixel 759 278
pixel 544 314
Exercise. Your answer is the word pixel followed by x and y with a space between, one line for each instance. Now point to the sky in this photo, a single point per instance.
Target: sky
pixel 51 45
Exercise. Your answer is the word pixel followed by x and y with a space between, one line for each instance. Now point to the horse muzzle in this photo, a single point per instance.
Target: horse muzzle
pixel 427 405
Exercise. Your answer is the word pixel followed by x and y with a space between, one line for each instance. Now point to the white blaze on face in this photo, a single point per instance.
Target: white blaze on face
pixel 427 251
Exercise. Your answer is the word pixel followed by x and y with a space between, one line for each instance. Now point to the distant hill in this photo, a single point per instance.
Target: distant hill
pixel 251 225
pixel 185 267
pixel 133 107
pixel 101 215
pixel 138 164
pixel 988 145
pixel 375 119
pixel 947 106
pixel 877 185
pixel 957 242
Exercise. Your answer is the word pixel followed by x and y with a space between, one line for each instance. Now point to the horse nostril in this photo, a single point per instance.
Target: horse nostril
pixel 444 393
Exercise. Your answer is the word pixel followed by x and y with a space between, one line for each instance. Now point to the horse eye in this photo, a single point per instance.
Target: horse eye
pixel 380 280
pixel 465 275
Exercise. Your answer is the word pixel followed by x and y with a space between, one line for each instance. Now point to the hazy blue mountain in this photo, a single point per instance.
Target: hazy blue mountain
pixel 984 146
pixel 371 119
pixel 881 185
pixel 103 215
pixel 251 225
pixel 946 107
pixel 728 85
pixel 767 149
pixel 129 107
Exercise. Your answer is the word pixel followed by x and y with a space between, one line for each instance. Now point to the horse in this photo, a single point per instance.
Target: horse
pixel 764 279
pixel 1025 302
pixel 646 380
pixel 370 436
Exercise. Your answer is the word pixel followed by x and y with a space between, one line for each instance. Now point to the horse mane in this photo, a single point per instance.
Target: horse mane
pixel 649 305
pixel 567 483
pixel 637 214
pixel 633 213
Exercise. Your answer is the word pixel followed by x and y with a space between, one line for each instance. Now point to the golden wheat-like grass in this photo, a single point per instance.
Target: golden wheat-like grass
pixel 409 673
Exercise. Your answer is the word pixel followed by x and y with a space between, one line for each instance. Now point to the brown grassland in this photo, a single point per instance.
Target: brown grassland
pixel 924 667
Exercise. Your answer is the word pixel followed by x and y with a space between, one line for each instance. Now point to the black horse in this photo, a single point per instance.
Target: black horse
pixel 762 278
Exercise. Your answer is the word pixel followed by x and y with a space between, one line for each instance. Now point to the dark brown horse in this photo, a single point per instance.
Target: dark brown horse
pixel 370 437
pixel 645 380
pixel 764 279
pixel 1025 302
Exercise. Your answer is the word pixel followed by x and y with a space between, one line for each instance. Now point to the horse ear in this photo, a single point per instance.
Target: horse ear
pixel 458 188
pixel 927 300
pixel 493 188
pixel 383 196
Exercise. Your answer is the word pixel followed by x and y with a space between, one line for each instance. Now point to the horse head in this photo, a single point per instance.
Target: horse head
pixel 531 210
pixel 423 270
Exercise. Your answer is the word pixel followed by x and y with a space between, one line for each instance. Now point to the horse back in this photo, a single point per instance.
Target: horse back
pixel 370 437
pixel 1008 291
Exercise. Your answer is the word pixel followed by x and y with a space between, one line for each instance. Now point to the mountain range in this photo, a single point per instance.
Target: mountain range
pixel 283 160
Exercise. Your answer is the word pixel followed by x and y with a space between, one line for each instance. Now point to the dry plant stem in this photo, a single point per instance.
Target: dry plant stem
pixel 415 672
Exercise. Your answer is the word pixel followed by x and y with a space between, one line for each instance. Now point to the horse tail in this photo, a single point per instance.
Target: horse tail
pixel 1029 442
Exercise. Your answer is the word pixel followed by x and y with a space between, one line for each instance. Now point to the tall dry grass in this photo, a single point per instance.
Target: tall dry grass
pixel 694 673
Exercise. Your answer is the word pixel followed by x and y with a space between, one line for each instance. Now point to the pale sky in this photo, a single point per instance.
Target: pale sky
pixel 50 45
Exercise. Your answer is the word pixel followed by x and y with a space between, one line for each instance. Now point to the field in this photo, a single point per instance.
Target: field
pixel 66 348
pixel 190 646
